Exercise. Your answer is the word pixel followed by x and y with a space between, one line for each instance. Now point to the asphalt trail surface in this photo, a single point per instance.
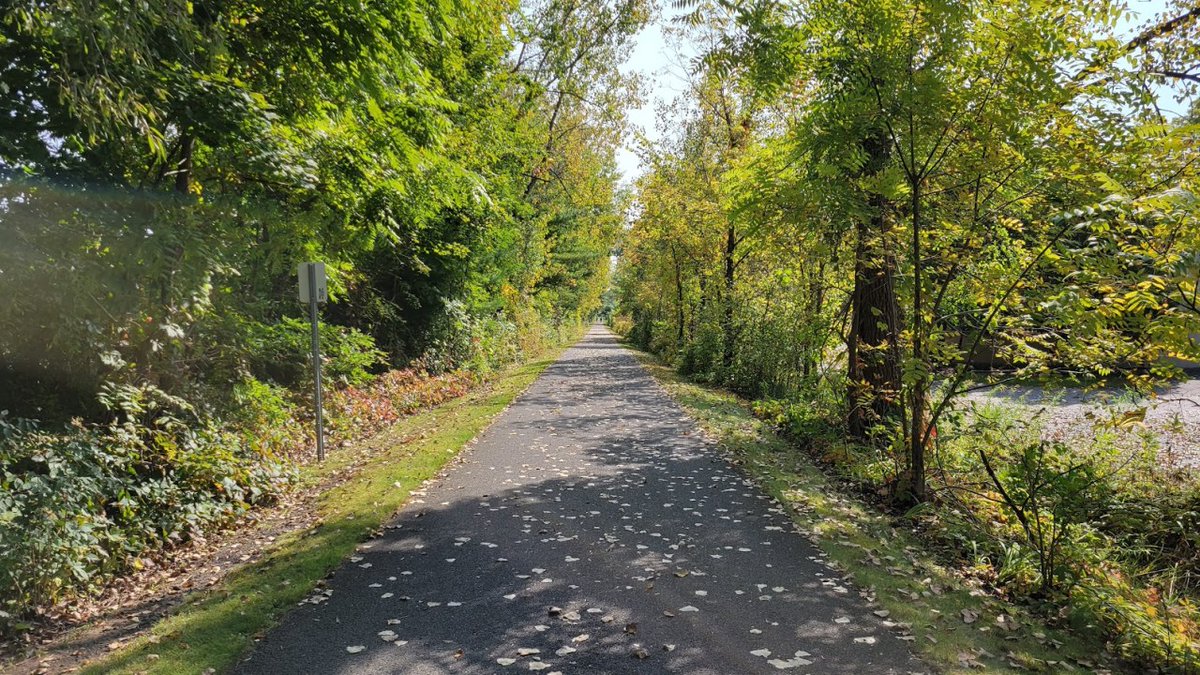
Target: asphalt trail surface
pixel 593 523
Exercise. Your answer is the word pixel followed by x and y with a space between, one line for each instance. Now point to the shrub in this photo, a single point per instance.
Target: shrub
pixel 355 412
pixel 1053 494
pixel 806 419
pixel 81 503
pixel 1149 625
pixel 701 357
pixel 1090 523
pixel 478 343
pixel 282 353
pixel 265 419
pixel 1156 522
pixel 1097 526
pixel 621 324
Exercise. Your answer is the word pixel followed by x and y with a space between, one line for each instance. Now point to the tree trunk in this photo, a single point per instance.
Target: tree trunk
pixel 816 295
pixel 727 318
pixel 920 388
pixel 680 317
pixel 873 365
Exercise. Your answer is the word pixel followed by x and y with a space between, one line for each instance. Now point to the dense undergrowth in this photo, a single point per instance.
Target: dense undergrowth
pixel 80 503
pixel 1086 534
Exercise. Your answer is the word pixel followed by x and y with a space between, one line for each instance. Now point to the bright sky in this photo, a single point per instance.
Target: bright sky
pixel 663 69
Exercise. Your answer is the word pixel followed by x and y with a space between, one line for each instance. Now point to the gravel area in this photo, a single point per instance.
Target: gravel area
pixel 1173 414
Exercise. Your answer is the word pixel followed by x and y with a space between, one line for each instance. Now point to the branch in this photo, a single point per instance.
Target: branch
pixel 951 392
pixel 1162 29
pixel 1178 75
pixel 1142 39
pixel 1181 399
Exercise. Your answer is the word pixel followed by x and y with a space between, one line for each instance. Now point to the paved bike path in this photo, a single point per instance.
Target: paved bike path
pixel 593 523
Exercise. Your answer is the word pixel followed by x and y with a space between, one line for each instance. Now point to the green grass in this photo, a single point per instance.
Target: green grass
pixel 880 558
pixel 213 628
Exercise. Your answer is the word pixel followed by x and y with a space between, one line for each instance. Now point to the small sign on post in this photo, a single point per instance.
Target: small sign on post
pixel 313 290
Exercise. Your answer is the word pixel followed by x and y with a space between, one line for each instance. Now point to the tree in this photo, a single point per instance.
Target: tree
pixel 940 145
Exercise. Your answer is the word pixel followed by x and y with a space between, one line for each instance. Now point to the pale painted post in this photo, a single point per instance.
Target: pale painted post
pixel 313 290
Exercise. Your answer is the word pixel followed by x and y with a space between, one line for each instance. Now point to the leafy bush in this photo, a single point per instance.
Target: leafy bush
pixel 355 412
pixel 1053 496
pixel 816 424
pixel 281 352
pixel 265 418
pixel 81 503
pixel 1098 528
pixel 621 324
pixel 1156 522
pixel 701 357
pixel 1149 624
pixel 806 419
pixel 478 343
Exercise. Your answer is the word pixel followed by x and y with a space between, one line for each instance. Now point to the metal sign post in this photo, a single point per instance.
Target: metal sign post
pixel 313 290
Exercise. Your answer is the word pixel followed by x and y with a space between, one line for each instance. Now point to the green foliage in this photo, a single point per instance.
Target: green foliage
pixel 461 340
pixel 1156 626
pixel 1071 524
pixel 1156 523
pixel 1054 493
pixel 264 417
pixel 924 188
pixel 881 552
pixel 213 628
pixel 1131 295
pixel 805 420
pixel 79 504
pixel 163 168
pixel 282 352
pixel 857 205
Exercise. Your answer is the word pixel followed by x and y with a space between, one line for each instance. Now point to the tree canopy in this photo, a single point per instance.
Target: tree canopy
pixel 167 164
pixel 865 197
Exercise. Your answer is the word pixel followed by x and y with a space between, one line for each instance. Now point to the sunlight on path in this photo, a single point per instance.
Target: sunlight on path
pixel 590 530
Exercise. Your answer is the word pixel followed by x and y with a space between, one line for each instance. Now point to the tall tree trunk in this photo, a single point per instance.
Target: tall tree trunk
pixel 873 364
pixel 816 300
pixel 920 389
pixel 727 317
pixel 678 297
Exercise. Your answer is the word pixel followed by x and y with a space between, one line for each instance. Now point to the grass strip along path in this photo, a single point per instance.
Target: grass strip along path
pixel 591 529
pixel 212 629
pixel 956 628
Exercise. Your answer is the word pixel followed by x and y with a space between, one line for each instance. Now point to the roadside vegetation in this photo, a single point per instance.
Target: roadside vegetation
pixel 212 629
pixel 857 213
pixel 164 166
pixel 860 212
pixel 948 614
